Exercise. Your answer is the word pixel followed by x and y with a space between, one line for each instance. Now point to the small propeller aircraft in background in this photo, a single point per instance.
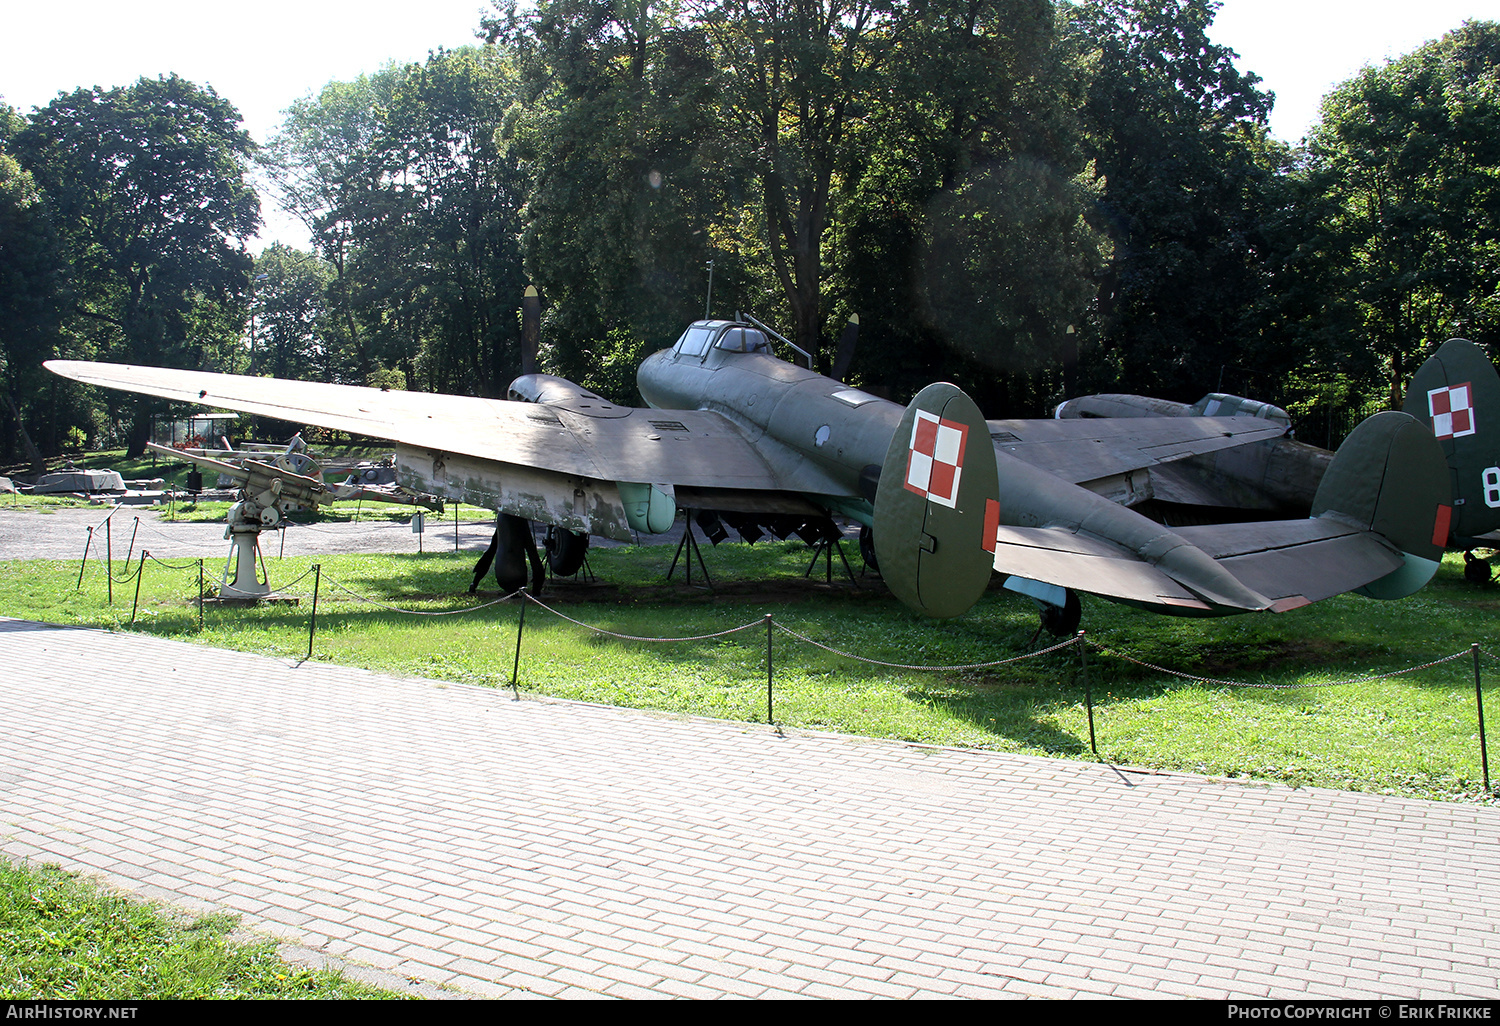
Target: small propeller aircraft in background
pixel 949 498
pixel 1279 477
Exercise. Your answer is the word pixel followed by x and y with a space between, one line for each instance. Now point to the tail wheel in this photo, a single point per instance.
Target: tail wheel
pixel 1064 619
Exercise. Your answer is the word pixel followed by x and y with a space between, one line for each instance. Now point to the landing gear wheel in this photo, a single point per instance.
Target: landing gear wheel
pixel 565 550
pixel 1064 619
pixel 1476 570
pixel 867 548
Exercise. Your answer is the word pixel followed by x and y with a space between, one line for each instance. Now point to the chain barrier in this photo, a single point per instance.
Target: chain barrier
pixel 632 637
pixel 908 666
pixel 1082 642
pixel 283 590
pixel 1275 687
pixel 129 575
pixel 172 566
pixel 420 612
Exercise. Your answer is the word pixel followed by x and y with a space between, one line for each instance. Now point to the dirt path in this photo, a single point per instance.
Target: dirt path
pixel 63 533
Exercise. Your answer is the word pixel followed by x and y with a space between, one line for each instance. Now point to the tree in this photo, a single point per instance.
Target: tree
pixel 31 297
pixel 1408 155
pixel 797 76
pixel 414 203
pixel 322 164
pixel 148 187
pixel 289 315
pixel 616 127
pixel 1175 131
pixel 964 224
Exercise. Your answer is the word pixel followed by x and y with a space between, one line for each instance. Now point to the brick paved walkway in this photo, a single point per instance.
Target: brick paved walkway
pixel 450 834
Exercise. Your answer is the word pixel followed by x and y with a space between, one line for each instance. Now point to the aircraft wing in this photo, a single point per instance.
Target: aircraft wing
pixel 679 447
pixel 1282 563
pixel 1087 450
pixel 606 470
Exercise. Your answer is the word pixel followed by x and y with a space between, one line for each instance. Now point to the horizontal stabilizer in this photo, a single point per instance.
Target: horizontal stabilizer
pixel 1083 562
pixel 1287 560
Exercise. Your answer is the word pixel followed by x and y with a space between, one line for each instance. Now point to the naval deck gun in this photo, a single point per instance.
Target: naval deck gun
pixel 270 486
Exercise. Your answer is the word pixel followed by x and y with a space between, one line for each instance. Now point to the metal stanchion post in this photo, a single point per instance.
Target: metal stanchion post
pixel 770 675
pixel 515 670
pixel 109 564
pixel 85 561
pixel 1484 755
pixel 200 593
pixel 1088 693
pixel 312 623
pixel 140 572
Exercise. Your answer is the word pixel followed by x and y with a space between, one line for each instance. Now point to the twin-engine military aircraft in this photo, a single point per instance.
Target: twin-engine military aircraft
pixel 735 429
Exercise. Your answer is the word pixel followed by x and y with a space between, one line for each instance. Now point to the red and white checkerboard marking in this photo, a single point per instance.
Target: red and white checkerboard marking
pixel 1452 411
pixel 936 459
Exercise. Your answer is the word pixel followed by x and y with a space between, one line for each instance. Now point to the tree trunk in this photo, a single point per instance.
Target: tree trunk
pixel 140 434
pixel 33 454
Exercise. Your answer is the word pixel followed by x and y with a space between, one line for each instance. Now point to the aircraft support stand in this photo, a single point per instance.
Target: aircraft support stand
pixel 826 548
pixel 690 543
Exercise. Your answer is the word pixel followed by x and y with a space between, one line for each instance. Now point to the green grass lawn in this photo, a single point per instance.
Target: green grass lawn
pixel 64 939
pixel 1413 735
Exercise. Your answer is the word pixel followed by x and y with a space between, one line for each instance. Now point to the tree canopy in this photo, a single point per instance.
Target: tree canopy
pixel 1030 198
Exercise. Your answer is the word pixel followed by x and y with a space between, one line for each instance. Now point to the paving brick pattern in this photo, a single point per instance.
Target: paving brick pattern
pixel 453 835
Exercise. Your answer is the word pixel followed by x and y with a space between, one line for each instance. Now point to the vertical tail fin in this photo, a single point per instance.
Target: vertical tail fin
pixel 1389 477
pixel 1457 394
pixel 935 505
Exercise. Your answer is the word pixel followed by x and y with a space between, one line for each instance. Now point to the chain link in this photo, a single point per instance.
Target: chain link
pixel 632 637
pixel 172 566
pixel 907 666
pixel 1274 687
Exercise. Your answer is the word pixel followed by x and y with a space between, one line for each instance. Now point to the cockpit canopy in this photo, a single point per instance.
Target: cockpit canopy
pixel 730 336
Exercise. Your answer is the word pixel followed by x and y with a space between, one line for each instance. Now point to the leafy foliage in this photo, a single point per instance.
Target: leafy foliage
pixel 149 198
pixel 1031 198
pixel 1408 155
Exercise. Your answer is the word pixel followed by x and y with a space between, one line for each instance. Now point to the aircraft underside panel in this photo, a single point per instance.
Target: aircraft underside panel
pixel 745 501
pixel 575 503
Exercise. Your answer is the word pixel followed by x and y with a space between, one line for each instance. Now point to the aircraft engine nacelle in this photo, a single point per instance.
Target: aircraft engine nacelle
pixel 549 388
pixel 936 506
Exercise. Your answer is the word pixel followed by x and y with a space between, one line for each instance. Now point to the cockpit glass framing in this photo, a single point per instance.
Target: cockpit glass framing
pixel 694 341
pixel 743 340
